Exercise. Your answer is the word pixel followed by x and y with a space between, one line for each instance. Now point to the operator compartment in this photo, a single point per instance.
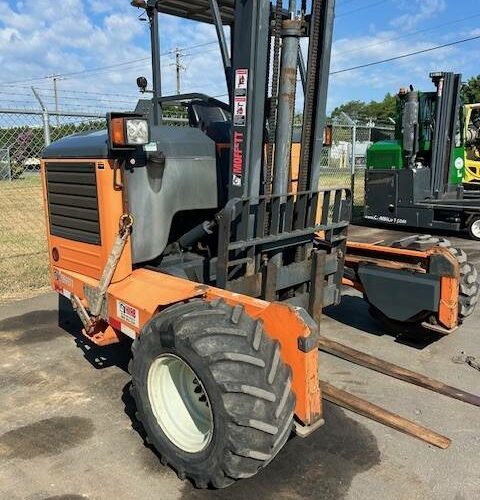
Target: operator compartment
pixel 178 176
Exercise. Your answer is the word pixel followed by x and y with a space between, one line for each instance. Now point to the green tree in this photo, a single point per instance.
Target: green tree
pixel 382 110
pixel 471 90
pixel 375 110
pixel 354 109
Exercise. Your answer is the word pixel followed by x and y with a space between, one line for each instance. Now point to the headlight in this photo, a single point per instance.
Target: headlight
pixel 128 132
pixel 137 131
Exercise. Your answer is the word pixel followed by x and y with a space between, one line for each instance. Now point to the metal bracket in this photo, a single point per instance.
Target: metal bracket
pixel 310 343
pixel 304 431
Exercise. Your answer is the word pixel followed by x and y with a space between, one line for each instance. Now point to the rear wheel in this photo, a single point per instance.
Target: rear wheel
pixel 211 392
pixel 474 228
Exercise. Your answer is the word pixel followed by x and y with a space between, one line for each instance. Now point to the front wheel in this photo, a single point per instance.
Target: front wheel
pixel 212 392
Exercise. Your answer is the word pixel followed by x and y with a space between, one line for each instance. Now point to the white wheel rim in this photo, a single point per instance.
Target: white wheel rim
pixel 180 403
pixel 476 228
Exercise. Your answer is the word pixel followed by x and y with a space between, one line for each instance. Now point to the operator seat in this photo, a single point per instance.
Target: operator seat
pixel 216 123
pixel 211 119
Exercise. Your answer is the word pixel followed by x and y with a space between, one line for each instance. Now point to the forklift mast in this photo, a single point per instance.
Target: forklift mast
pixel 428 127
pixel 261 222
pixel 247 62
pixel 447 131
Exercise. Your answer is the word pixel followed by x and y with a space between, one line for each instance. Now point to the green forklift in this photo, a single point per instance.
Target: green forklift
pixel 416 179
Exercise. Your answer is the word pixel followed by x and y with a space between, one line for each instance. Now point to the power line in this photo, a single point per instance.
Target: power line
pixel 66 75
pixel 171 52
pixel 408 34
pixel 403 56
pixel 103 68
pixel 47 95
pixel 67 91
pixel 133 63
pixel 87 72
pixel 369 6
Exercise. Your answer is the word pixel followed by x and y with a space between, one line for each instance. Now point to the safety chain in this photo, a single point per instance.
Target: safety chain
pixel 126 224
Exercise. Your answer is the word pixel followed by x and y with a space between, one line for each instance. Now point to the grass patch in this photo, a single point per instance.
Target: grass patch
pixel 23 246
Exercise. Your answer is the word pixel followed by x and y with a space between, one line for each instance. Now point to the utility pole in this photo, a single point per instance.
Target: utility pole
pixel 178 67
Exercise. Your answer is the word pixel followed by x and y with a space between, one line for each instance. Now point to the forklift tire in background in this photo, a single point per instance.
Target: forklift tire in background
pixel 474 228
pixel 211 391
pixel 469 285
pixel 469 288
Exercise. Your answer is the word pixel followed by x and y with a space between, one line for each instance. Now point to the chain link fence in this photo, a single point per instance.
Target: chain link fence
pixel 23 136
pixel 345 161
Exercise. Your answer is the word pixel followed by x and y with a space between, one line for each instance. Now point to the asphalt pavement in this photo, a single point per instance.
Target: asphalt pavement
pixel 67 429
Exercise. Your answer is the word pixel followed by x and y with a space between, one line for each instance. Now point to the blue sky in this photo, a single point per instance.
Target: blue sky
pixel 69 38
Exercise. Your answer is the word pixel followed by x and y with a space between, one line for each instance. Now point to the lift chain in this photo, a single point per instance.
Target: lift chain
pixel 126 224
pixel 309 106
pixel 277 30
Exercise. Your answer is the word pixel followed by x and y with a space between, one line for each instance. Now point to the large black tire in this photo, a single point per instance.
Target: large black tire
pixel 247 385
pixel 469 286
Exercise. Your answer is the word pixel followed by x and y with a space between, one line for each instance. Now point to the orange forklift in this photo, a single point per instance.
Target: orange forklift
pixel 188 241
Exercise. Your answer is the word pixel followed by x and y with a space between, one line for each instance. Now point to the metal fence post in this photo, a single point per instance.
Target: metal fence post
pixel 353 125
pixel 354 158
pixel 46 127
pixel 45 119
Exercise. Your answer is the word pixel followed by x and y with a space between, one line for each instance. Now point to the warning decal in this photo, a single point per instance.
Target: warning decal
pixel 62 278
pixel 241 81
pixel 240 107
pixel 128 313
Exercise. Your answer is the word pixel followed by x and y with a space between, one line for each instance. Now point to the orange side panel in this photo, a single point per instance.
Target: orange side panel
pixel 84 258
pixel 386 250
pixel 286 324
pixel 448 312
pixel 148 292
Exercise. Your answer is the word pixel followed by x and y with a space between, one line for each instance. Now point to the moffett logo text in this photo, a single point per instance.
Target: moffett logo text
pixel 237 154
pixel 128 313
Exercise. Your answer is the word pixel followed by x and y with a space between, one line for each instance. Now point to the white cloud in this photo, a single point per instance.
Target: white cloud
pixel 102 6
pixel 41 37
pixel 419 11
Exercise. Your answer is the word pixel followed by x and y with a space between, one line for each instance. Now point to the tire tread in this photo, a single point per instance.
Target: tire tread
pixel 259 402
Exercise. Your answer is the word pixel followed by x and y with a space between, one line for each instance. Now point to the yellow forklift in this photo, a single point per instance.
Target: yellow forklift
pixel 472 146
